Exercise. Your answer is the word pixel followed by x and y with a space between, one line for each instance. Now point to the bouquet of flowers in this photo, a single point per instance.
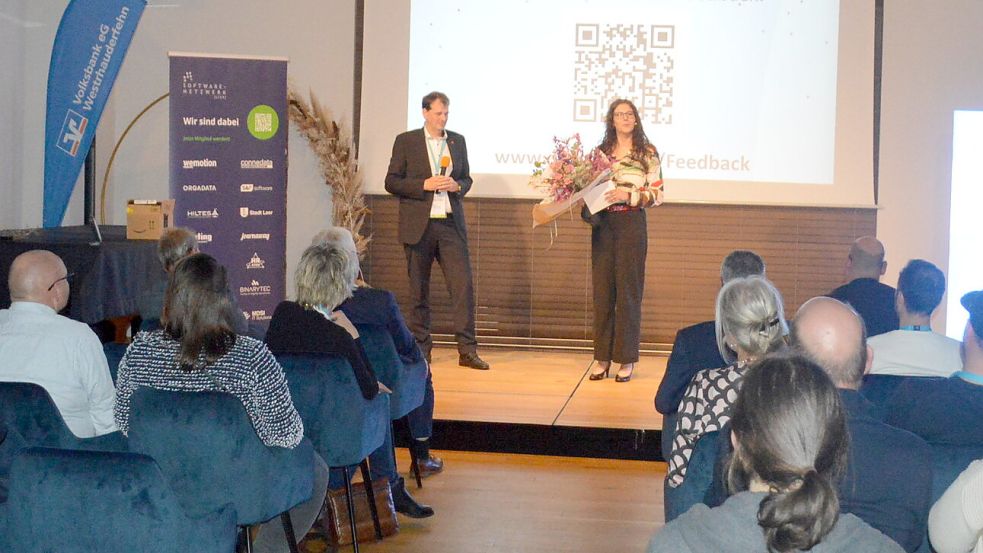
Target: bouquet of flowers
pixel 564 175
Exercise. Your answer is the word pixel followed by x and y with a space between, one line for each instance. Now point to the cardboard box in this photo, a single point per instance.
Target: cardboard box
pixel 147 219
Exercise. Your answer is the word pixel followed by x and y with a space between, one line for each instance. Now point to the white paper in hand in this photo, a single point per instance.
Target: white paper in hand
pixel 595 197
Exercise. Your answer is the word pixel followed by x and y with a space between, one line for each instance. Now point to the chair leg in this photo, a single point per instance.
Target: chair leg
pixel 288 531
pixel 249 539
pixel 351 508
pixel 414 465
pixel 370 496
pixel 415 469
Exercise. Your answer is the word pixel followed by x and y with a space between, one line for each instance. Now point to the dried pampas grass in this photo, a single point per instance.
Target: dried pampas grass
pixel 335 151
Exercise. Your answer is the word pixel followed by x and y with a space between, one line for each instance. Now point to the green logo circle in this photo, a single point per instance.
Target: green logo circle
pixel 263 122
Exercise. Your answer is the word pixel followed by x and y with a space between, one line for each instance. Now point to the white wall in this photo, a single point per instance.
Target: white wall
pixel 316 35
pixel 12 60
pixel 932 66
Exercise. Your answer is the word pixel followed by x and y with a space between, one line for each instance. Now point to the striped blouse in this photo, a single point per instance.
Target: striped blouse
pixel 248 371
pixel 644 186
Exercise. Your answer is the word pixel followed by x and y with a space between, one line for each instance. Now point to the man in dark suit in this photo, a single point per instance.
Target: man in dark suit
pixel 888 481
pixel 695 348
pixel 429 173
pixel 873 300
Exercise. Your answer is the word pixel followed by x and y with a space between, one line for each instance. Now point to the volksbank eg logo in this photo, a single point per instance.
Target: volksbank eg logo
pixel 72 131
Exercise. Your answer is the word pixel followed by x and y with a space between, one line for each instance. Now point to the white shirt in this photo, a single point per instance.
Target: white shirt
pixel 915 353
pixel 438 148
pixel 955 523
pixel 65 358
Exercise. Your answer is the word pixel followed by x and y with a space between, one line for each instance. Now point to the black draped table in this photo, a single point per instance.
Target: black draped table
pixel 108 276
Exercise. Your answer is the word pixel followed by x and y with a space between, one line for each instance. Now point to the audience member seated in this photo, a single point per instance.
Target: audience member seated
pixel 174 245
pixel 948 411
pixel 790 447
pixel 198 350
pixel 378 307
pixel 914 350
pixel 325 277
pixel 63 356
pixel 873 300
pixel 888 482
pixel 955 524
pixel 750 322
pixel 695 347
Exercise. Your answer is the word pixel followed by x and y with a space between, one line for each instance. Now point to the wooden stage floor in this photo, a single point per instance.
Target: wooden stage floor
pixel 544 388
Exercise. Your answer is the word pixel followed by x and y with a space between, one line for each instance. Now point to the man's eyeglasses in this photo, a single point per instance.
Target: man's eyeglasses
pixel 67 277
pixel 624 115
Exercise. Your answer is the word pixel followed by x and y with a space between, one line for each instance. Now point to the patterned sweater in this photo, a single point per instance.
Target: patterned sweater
pixel 248 371
pixel 706 407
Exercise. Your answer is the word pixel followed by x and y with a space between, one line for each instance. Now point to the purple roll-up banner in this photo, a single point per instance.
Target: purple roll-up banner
pixel 228 169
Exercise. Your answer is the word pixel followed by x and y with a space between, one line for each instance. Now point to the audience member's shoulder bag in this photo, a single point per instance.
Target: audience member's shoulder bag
pixel 337 527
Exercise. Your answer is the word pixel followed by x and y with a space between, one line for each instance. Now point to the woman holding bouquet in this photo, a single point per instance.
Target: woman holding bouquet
pixel 619 241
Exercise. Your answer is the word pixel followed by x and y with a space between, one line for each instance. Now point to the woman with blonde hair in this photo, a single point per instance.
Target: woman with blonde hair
pixel 325 278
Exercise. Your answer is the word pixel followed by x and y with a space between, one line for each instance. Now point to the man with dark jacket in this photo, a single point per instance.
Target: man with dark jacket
pixel 888 482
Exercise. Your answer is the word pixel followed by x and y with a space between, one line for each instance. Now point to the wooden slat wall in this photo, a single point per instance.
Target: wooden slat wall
pixel 529 291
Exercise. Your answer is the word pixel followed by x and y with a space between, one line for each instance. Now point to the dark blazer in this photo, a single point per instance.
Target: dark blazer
pixel 294 329
pixel 378 307
pixel 888 482
pixel 874 302
pixel 409 167
pixel 694 349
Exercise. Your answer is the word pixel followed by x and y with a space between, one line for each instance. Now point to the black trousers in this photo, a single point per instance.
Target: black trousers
pixel 441 242
pixel 618 249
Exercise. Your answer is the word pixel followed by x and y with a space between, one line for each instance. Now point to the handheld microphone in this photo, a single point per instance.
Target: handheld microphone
pixel 444 162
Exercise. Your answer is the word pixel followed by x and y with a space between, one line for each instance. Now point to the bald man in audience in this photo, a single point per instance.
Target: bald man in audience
pixel 63 356
pixel 888 481
pixel 873 300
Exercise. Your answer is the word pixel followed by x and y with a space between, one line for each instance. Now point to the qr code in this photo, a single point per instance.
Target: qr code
pixel 264 122
pixel 624 61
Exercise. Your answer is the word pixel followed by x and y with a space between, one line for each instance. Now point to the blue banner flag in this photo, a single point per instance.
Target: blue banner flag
pixel 88 51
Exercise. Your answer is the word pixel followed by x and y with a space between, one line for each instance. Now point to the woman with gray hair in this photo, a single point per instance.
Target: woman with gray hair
pixel 325 277
pixel 750 322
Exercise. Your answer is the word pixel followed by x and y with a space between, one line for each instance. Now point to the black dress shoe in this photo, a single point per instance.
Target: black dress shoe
pixel 404 503
pixel 430 465
pixel 472 360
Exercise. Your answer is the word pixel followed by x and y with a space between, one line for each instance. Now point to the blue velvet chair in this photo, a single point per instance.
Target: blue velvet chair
pixel 207 448
pixel 149 325
pixel 948 461
pixel 64 500
pixel 114 354
pixel 29 409
pixel 698 484
pixel 407 382
pixel 880 388
pixel 10 444
pixel 343 426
